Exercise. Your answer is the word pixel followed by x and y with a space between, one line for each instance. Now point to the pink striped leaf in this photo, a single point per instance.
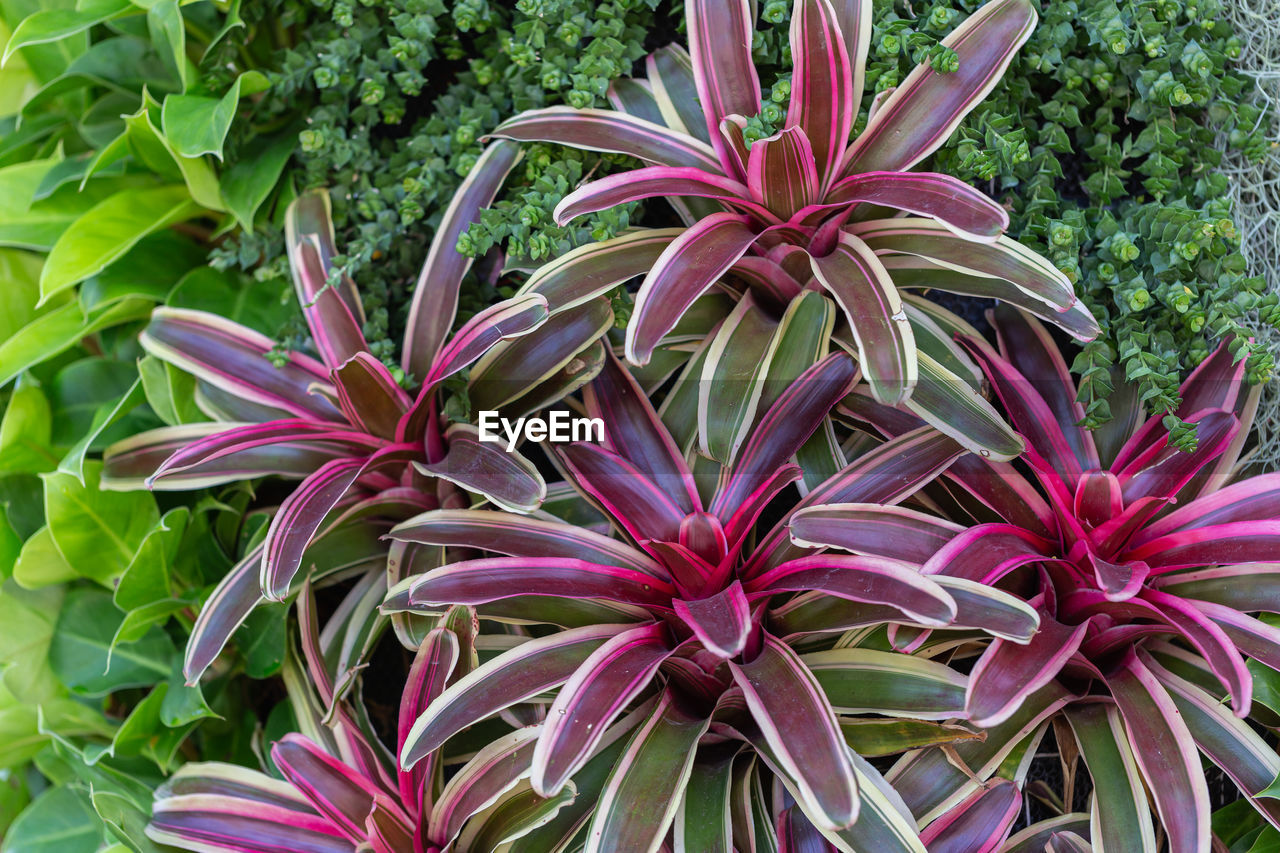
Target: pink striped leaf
pixel 955 204
pixel 637 184
pixel 643 791
pixel 685 270
pixel 369 395
pixel 669 71
pixel 800 729
pixel 720 38
pixel 507 479
pixel 643 509
pixel 1165 752
pixel 1254 499
pixel 721 622
pixel 492 578
pixel 979 824
pixel 886 346
pixel 131 463
pixel 522 536
pixel 635 432
pixel 432 666
pixel 1027 345
pixel 332 308
pixel 1228 741
pixel 435 297
pixel 796 834
pixel 987 552
pixel 858 681
pixel 929 105
pixel 234 358
pixel 1246 587
pixel 588 271
pixel 913 272
pixel 879 531
pixel 508 319
pixel 873 580
pixel 886 474
pixel 514 676
pixel 1123 819
pixel 225 610
pixel 1234 542
pixel 606 130
pixel 493 771
pixel 1166 469
pixel 798 411
pixel 215 806
pixel 234 441
pixel 1004 259
pixel 294 525
pixel 335 790
pixel 597 692
pixel 1007 672
pixel 781 172
pixel 749 509
pixel 823 101
pixel 1251 636
pixel 985 608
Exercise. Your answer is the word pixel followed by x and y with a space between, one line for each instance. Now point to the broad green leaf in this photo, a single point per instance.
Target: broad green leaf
pixel 81 654
pixel 98 532
pixel 20 272
pixel 196 125
pixel 164 22
pixel 261 305
pixel 41 564
pixel 59 328
pixel 152 147
pixel 56 24
pixel 261 639
pixel 104 418
pixel 109 230
pixel 169 391
pixel 248 182
pixel 183 703
pixel 61 820
pixel 147 271
pixel 28 618
pixel 10 545
pixel 27 222
pixel 14 797
pixel 20 735
pixel 124 820
pixel 147 579
pixel 80 388
pixel 25 433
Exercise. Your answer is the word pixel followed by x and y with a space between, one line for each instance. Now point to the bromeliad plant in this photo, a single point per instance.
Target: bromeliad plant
pixel 691 605
pixel 337 794
pixel 361 444
pixel 1144 566
pixel 804 208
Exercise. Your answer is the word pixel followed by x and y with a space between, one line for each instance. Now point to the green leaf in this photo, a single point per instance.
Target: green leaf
pixel 81 653
pixel 25 433
pixel 40 563
pixel 261 639
pixel 28 222
pixel 20 272
pixel 197 125
pixel 164 22
pixel 124 820
pixel 28 618
pixel 110 229
pixel 10 545
pixel 56 24
pixel 80 389
pixel 105 417
pixel 60 328
pixel 61 820
pixel 147 579
pixel 262 305
pixel 170 392
pixel 249 180
pixel 153 147
pixel 98 532
pixel 147 271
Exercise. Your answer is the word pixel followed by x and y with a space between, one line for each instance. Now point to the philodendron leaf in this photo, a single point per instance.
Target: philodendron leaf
pixel 248 181
pixel 97 532
pixel 55 24
pixel 164 21
pixel 81 654
pixel 196 125
pixel 61 820
pixel 110 229
pixel 40 564
pixel 25 433
pixel 28 618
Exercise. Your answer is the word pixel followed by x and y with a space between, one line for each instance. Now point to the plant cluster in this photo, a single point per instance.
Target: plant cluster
pixel 840 565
